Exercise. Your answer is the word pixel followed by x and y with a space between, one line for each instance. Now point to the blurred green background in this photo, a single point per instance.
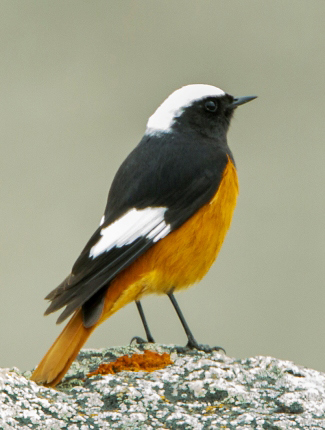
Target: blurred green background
pixel 78 80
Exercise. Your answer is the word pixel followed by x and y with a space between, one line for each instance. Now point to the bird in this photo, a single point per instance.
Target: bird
pixel 168 210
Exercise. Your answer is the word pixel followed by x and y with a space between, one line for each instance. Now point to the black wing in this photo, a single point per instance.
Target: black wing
pixel 169 182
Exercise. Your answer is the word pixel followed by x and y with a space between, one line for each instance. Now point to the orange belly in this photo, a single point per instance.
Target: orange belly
pixel 184 256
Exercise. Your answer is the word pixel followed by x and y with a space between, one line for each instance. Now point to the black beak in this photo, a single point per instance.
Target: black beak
pixel 241 100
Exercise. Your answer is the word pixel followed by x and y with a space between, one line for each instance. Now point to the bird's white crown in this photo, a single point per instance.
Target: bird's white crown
pixel 162 119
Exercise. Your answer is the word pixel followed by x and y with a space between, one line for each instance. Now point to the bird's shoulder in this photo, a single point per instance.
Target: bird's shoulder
pixel 162 170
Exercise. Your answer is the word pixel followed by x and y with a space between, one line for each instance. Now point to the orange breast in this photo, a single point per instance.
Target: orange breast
pixel 184 256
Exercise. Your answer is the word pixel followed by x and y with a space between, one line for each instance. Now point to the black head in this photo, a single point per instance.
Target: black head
pixel 205 109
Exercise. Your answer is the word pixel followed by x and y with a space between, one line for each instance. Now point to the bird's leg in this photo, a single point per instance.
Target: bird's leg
pixel 192 343
pixel 138 339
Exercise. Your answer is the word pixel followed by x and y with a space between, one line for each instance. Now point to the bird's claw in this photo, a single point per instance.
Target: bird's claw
pixel 139 340
pixel 193 345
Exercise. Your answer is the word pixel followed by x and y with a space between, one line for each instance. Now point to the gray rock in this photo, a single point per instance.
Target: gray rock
pixel 199 391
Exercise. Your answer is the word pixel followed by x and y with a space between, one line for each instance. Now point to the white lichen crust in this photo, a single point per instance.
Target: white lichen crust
pixel 199 391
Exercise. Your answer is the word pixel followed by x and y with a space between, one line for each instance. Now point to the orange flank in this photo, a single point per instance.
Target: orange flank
pixel 180 259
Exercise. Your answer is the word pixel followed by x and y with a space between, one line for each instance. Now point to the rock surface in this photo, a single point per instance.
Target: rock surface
pixel 199 391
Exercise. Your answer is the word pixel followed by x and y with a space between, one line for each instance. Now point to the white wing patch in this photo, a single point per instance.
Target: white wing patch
pixel 135 223
pixel 173 106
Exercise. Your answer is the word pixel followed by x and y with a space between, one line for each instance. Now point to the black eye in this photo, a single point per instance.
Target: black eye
pixel 211 106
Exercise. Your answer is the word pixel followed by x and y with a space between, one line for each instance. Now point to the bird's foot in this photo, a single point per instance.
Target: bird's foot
pixel 140 341
pixel 192 344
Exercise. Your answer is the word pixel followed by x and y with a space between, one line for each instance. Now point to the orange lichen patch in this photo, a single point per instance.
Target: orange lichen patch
pixel 146 362
pixel 211 409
